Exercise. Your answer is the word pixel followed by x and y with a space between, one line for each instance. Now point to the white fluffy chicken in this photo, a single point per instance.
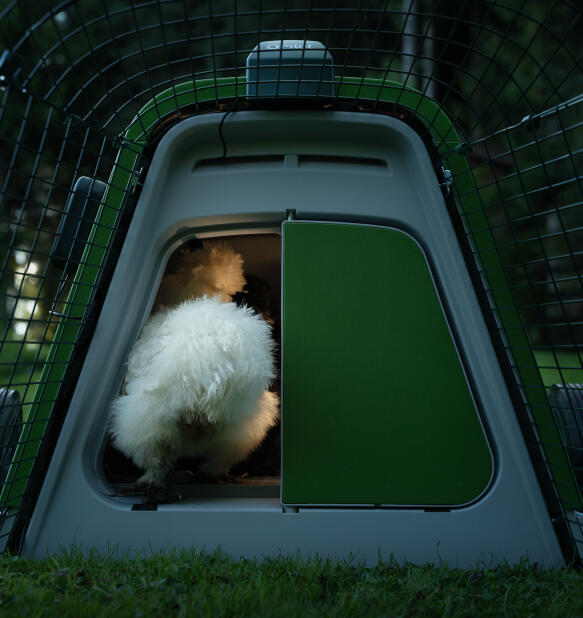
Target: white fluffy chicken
pixel 197 377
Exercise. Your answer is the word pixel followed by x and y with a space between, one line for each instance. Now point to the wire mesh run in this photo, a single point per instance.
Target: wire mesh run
pixel 87 88
pixel 525 237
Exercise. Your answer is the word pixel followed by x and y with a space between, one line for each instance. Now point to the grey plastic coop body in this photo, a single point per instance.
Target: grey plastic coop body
pixel 398 433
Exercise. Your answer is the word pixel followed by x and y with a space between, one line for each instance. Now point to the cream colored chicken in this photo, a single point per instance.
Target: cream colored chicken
pixel 197 377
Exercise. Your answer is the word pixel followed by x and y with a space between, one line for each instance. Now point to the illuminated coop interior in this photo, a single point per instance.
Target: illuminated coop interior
pixel 258 474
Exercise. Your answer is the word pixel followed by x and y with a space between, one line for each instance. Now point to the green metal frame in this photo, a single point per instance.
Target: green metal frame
pixel 366 91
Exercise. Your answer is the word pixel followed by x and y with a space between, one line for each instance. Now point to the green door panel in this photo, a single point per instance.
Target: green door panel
pixel 376 407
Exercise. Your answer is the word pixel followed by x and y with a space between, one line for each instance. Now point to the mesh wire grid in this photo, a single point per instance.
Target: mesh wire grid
pixel 75 75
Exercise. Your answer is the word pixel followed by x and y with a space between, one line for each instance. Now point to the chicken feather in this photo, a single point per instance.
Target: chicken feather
pixel 197 377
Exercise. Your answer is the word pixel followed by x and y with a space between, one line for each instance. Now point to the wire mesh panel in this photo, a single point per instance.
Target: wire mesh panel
pixel 526 238
pixel 88 87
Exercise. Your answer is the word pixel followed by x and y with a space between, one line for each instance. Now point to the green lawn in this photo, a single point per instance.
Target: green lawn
pixel 21 367
pixel 559 367
pixel 197 584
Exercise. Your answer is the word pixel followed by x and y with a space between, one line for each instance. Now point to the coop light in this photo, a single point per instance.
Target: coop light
pixel 290 69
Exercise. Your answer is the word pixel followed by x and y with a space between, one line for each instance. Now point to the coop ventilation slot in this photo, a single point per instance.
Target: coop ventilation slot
pixel 280 160
pixel 234 161
pixel 339 160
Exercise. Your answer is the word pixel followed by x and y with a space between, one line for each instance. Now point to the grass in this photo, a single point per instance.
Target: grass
pixel 191 583
pixel 559 367
pixel 21 366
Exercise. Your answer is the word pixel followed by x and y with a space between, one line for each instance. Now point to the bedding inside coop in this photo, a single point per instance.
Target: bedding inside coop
pixel 259 472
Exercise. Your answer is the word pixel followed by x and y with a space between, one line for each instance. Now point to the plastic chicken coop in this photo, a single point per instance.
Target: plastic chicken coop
pixel 403 182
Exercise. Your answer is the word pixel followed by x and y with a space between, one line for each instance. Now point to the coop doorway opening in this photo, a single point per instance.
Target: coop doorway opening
pixel 257 473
